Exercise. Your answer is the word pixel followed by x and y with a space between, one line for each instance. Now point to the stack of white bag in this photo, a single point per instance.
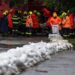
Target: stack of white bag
pixel 16 60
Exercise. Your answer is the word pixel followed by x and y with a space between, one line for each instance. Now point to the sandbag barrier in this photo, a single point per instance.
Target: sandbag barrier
pixel 16 60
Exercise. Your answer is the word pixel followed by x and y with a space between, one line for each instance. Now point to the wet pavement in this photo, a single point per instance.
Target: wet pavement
pixel 13 42
pixel 60 64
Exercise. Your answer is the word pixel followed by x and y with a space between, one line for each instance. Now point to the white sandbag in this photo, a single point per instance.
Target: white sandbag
pixel 17 59
pixel 55 29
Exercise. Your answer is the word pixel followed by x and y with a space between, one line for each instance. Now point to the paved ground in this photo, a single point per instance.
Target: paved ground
pixel 12 42
pixel 60 64
pixel 21 40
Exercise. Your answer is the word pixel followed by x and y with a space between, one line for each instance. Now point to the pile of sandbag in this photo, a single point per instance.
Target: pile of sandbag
pixel 16 60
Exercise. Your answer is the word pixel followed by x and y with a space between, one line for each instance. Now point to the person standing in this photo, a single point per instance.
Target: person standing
pixel 29 24
pixel 71 16
pixel 4 24
pixel 23 23
pixel 66 26
pixel 16 23
pixel 1 15
pixel 10 23
pixel 55 21
pixel 35 23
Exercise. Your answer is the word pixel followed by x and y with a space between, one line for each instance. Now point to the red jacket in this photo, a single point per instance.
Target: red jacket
pixel 66 22
pixel 46 12
pixel 29 22
pixel 1 15
pixel 74 20
pixel 10 23
pixel 35 21
pixel 55 21
pixel 71 20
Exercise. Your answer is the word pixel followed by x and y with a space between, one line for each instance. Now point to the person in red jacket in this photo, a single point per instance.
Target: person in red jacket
pixel 66 22
pixel 74 20
pixel 35 23
pixel 29 24
pixel 55 21
pixel 74 24
pixel 71 16
pixel 46 12
pixel 1 15
pixel 10 23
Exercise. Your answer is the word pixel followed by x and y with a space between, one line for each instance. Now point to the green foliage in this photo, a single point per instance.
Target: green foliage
pixel 59 4
pixel 50 4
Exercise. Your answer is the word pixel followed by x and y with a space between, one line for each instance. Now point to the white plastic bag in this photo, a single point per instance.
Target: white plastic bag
pixel 55 29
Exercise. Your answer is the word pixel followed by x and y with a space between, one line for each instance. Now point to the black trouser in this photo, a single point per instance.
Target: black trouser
pixel 22 29
pixel 15 29
pixel 28 30
pixel 10 30
pixel 66 31
pixel 49 29
pixel 61 32
pixel 74 30
pixel 72 33
pixel 36 30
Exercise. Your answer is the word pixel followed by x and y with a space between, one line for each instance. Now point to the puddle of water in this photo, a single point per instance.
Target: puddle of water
pixel 43 71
